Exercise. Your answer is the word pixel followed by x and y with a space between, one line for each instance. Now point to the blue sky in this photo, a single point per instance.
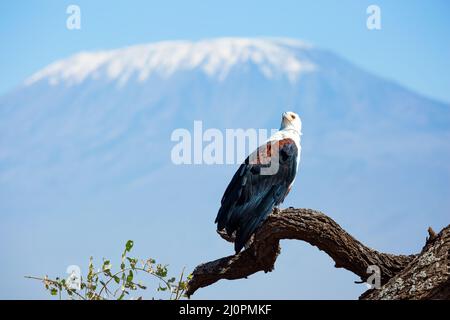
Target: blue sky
pixel 412 48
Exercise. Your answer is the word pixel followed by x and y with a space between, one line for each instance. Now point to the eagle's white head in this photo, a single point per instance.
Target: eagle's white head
pixel 291 121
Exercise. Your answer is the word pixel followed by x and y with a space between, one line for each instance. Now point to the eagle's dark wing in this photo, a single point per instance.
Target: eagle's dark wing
pixel 251 196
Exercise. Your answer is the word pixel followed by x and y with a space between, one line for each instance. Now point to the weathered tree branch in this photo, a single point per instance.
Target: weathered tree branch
pixel 308 225
pixel 426 277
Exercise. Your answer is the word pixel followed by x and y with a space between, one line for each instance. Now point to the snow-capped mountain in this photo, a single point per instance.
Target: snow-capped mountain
pixel 215 58
pixel 85 142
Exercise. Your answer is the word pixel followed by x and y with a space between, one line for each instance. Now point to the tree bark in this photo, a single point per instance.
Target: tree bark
pixel 418 276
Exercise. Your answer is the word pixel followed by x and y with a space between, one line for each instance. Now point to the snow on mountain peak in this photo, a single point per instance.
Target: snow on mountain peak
pixel 215 58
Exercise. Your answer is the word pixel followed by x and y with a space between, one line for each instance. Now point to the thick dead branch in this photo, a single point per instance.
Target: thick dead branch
pixel 321 231
pixel 426 277
pixel 308 225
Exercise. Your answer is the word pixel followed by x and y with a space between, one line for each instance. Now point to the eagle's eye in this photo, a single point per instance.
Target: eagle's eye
pixel 293 117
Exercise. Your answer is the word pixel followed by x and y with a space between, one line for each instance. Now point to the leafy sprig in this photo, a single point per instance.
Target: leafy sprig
pixel 106 284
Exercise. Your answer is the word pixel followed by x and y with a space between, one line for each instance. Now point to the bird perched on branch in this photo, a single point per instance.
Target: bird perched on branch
pixel 261 183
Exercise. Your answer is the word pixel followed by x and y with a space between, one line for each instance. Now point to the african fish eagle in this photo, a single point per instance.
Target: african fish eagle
pixel 254 191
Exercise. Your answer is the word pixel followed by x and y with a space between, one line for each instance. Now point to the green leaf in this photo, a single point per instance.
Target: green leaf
pixel 129 245
pixel 141 286
pixel 130 276
pixel 161 288
pixel 106 265
pixel 161 271
pixel 171 280
pixel 53 291
pixel 132 261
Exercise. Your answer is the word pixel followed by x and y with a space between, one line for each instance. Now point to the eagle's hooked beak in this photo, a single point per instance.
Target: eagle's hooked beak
pixel 290 119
